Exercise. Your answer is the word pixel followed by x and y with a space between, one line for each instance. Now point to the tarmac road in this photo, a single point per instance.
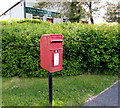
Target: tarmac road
pixel 109 97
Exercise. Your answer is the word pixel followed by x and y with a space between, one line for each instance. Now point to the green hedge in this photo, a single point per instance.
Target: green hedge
pixel 87 48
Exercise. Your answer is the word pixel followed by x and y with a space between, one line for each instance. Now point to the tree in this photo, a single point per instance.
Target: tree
pixel 92 9
pixel 76 11
pixel 73 10
pixel 113 11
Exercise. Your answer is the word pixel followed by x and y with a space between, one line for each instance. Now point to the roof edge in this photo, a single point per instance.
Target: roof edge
pixel 11 7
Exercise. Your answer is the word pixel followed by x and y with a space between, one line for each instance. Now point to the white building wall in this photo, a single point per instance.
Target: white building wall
pixel 17 11
pixel 30 16
pixel 6 16
pixel 44 18
pixel 57 20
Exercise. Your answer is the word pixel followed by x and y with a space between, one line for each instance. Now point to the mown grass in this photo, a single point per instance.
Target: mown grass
pixel 67 91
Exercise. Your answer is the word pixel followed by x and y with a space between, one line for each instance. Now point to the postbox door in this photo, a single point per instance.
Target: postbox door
pixel 56 60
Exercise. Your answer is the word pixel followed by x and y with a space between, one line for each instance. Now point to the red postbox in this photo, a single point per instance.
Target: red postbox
pixel 51 52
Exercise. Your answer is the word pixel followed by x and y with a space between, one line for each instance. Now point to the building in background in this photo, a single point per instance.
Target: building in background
pixel 23 9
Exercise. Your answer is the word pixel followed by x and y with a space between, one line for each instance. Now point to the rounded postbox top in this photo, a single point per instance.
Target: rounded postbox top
pixel 53 37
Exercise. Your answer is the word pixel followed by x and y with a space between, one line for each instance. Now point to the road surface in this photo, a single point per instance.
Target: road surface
pixel 109 97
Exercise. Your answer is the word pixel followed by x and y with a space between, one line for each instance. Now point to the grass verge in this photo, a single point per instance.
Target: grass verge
pixel 67 91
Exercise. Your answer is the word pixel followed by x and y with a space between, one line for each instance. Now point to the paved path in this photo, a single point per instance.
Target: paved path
pixel 109 97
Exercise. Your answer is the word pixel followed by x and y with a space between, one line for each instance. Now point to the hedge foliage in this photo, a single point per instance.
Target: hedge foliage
pixel 87 48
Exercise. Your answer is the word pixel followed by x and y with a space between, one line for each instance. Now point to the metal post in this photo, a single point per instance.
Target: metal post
pixel 50 88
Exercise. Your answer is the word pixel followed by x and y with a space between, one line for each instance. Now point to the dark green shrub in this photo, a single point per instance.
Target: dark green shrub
pixel 87 48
